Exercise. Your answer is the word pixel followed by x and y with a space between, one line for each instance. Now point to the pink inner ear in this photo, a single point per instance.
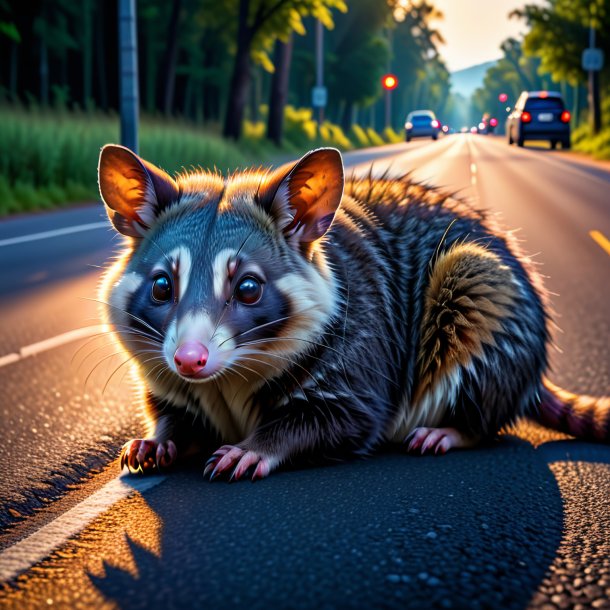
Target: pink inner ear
pixel 309 194
pixel 133 190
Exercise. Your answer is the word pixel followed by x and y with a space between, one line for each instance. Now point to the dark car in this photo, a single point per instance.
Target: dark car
pixel 422 124
pixel 539 115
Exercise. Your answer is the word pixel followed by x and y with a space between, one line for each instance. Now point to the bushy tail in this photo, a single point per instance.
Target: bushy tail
pixel 585 417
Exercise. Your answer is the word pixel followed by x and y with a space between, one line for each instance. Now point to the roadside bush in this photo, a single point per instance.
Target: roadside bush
pixel 359 136
pixel 48 158
pixel 392 137
pixel 598 146
pixel 374 137
pixel 332 135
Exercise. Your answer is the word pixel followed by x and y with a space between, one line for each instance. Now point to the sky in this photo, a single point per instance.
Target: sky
pixel 474 29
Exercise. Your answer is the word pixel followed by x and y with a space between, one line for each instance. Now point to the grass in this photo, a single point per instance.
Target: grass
pixel 597 146
pixel 48 158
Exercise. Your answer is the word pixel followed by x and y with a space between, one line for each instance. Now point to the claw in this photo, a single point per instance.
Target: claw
pixel 438 440
pixel 240 460
pixel 159 456
pixel 142 456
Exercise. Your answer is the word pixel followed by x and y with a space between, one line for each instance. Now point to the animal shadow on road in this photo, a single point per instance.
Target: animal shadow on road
pixel 473 529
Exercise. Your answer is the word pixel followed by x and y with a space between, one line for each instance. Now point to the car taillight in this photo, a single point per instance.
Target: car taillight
pixel 526 117
pixel 565 116
pixel 435 124
pixel 493 122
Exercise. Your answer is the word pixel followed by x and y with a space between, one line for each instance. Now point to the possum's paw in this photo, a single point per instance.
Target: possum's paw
pixel 147 455
pixel 241 461
pixel 437 440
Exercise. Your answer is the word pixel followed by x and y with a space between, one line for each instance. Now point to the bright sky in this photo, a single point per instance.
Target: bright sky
pixel 474 29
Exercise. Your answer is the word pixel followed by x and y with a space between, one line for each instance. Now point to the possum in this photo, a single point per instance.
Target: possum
pixel 282 315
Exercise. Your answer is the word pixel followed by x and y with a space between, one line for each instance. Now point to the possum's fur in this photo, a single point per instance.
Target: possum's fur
pixel 386 307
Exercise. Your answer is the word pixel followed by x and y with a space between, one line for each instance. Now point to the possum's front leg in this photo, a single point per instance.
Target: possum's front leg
pixel 176 434
pixel 312 425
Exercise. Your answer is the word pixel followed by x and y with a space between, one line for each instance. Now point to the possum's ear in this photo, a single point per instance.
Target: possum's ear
pixel 134 191
pixel 303 197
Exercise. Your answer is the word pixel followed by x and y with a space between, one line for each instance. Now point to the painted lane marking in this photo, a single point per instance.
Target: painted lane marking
pixel 52 342
pixel 31 550
pixel 601 240
pixel 473 174
pixel 55 233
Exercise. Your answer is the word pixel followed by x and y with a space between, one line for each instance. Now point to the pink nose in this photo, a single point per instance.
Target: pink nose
pixel 190 358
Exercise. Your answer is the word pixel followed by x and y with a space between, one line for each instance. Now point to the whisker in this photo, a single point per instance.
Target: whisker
pixel 146 324
pixel 130 359
pixel 245 332
pixel 111 344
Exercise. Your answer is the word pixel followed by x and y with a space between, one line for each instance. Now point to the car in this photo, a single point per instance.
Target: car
pixel 539 115
pixel 422 124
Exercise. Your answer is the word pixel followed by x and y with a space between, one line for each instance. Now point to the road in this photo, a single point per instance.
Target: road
pixel 522 524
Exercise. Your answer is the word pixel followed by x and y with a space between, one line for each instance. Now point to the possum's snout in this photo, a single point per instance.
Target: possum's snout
pixel 190 358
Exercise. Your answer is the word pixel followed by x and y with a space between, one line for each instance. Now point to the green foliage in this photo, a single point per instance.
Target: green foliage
pixel 269 19
pixel 10 30
pixel 512 74
pixel 359 136
pixel 559 34
pixel 284 18
pixel 50 158
pixel 357 62
pixel 598 146
pixel 332 135
pixel 392 137
pixel 422 75
pixel 374 137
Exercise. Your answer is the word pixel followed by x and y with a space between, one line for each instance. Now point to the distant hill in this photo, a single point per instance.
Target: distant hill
pixel 465 81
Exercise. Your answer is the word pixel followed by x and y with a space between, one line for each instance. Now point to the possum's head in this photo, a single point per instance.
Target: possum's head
pixel 222 275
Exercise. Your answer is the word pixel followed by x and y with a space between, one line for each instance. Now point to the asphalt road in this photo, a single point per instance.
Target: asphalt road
pixel 521 524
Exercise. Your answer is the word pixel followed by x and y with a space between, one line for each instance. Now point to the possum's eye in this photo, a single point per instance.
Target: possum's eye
pixel 161 289
pixel 249 290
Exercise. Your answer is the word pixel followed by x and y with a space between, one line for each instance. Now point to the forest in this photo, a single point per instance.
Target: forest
pixel 216 63
pixel 229 83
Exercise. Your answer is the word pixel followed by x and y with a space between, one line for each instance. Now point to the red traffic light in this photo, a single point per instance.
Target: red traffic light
pixel 502 97
pixel 389 82
pixel 493 122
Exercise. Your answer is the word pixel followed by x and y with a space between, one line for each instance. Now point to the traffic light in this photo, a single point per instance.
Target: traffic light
pixel 502 97
pixel 389 82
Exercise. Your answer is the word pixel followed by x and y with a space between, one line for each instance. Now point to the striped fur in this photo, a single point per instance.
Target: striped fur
pixel 410 309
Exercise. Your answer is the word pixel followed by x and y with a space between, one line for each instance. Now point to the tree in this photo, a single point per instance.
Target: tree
pixel 357 63
pixel 511 74
pixel 170 58
pixel 559 33
pixel 278 93
pixel 259 23
pixel 422 74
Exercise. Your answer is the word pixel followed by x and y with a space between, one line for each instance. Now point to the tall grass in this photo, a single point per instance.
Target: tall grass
pixel 599 145
pixel 49 158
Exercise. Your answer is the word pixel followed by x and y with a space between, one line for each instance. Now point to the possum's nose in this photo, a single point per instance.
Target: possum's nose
pixel 190 358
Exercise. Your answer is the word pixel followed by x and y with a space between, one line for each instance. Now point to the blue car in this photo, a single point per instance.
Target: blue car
pixel 422 124
pixel 539 115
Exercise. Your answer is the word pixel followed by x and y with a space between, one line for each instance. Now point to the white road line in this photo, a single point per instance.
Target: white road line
pixel 31 550
pixel 473 174
pixel 47 344
pixel 55 233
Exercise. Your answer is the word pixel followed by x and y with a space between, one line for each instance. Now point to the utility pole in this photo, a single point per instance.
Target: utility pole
pixel 319 94
pixel 128 68
pixel 594 99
